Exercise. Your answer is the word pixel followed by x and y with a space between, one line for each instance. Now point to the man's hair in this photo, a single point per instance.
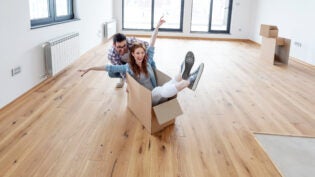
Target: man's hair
pixel 118 37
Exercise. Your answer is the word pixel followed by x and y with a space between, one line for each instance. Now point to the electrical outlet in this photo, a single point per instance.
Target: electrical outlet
pixel 16 70
pixel 298 44
pixel 99 33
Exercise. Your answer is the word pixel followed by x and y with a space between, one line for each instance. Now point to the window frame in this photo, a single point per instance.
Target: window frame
pixel 180 29
pixel 228 28
pixel 52 18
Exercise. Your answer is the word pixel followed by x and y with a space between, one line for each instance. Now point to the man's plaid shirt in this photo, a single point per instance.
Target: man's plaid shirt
pixel 113 55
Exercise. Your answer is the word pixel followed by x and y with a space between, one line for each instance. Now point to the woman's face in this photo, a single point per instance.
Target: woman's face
pixel 139 54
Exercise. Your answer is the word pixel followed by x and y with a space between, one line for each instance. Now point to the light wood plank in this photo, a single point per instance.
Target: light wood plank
pixel 81 127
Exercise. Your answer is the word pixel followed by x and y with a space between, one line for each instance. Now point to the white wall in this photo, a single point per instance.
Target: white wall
pixel 241 14
pixel 295 20
pixel 21 46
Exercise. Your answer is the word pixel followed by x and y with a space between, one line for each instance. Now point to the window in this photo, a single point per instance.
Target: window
pixel 44 12
pixel 212 16
pixel 144 14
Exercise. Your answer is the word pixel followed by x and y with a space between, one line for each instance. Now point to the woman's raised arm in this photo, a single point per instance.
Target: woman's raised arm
pixel 155 32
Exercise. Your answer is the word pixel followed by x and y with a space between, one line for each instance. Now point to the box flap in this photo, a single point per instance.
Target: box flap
pixel 167 111
pixel 139 101
pixel 268 27
pixel 161 77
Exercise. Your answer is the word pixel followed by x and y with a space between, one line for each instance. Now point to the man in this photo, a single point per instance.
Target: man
pixel 118 54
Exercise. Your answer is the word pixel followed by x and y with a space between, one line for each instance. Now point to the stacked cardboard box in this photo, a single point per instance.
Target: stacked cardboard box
pixel 274 48
pixel 153 118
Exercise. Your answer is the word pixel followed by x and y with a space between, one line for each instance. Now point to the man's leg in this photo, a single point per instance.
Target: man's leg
pixel 121 82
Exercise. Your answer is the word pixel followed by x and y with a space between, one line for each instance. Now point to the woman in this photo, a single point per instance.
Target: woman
pixel 141 67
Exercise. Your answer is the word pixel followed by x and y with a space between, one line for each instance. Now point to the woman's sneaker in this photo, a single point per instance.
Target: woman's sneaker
pixel 195 77
pixel 187 65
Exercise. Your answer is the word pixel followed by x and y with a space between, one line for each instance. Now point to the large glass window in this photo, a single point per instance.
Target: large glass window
pixel 211 16
pixel 62 8
pixel 44 12
pixel 137 14
pixel 144 14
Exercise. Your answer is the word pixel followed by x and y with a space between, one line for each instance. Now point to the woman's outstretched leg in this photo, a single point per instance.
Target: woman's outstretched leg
pixel 172 87
pixel 192 80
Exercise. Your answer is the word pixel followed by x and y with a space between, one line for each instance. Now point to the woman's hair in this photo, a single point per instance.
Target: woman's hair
pixel 132 61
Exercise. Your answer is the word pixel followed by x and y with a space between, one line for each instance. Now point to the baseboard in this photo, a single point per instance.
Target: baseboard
pixel 302 62
pixel 254 42
pixel 189 38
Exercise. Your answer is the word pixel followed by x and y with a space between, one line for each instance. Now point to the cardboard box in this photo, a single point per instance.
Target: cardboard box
pixel 268 49
pixel 280 41
pixel 282 52
pixel 275 49
pixel 156 118
pixel 269 31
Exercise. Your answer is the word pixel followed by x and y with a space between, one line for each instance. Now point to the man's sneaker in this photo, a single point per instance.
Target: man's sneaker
pixel 187 65
pixel 195 77
pixel 120 84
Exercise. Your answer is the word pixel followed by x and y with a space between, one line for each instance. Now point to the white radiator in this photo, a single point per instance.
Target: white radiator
pixel 109 29
pixel 60 52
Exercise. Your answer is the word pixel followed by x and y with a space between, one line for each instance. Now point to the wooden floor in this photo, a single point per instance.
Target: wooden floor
pixel 81 127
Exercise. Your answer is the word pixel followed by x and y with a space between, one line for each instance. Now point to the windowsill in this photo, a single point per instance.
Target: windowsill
pixel 55 23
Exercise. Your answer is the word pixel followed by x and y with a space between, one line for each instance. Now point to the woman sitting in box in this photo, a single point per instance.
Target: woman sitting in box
pixel 141 67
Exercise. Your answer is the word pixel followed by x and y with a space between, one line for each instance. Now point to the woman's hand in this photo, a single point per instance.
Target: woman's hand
pixel 95 68
pixel 160 22
pixel 84 71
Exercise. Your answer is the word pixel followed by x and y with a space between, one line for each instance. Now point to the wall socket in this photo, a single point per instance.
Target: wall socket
pixel 298 44
pixel 16 70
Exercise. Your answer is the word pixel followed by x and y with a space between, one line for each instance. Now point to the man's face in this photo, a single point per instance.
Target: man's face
pixel 121 47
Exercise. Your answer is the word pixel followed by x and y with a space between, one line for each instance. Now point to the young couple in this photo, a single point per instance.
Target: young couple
pixel 141 67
